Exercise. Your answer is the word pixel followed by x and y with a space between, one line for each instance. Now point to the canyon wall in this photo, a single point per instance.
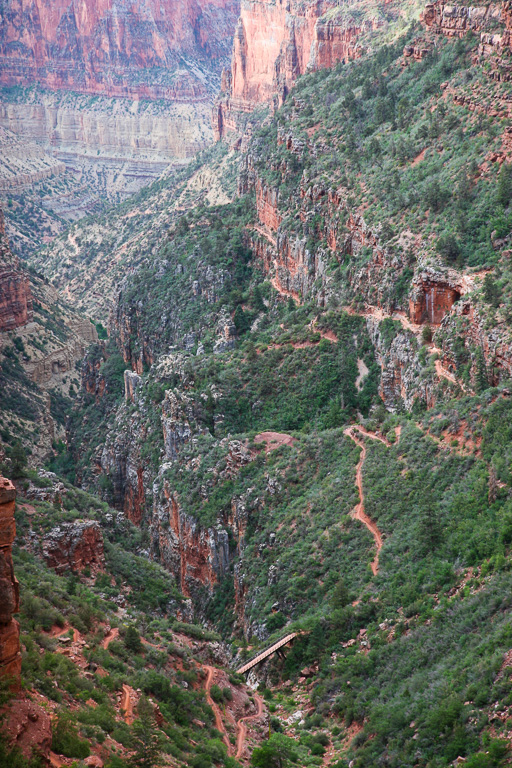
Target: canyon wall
pixel 304 36
pixel 108 128
pixel 10 656
pixel 159 49
pixel 15 295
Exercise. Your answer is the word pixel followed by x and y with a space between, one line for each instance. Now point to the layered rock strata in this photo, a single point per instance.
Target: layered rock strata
pixel 305 36
pixel 10 656
pixel 159 49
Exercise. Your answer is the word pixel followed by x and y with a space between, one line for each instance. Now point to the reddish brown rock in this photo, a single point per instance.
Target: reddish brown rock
pixel 458 20
pixel 74 547
pixel 264 67
pixel 28 727
pixel 197 556
pixel 10 657
pixel 115 48
pixel 15 295
pixel 434 295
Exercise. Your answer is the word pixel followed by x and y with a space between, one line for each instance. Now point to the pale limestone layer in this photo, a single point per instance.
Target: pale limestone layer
pixel 121 128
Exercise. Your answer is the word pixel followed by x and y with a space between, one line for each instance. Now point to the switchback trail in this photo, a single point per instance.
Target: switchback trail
pixel 210 671
pixel 359 513
pixel 242 729
pixel 240 724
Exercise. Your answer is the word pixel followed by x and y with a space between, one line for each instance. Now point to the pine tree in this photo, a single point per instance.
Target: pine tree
pixel 257 300
pixel 145 737
pixel 481 380
pixel 504 190
pixel 241 320
pixel 491 291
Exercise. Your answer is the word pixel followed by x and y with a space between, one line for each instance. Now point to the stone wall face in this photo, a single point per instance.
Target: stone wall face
pixel 10 656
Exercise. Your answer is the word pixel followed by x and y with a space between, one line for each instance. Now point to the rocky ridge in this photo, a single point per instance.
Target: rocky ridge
pixel 15 294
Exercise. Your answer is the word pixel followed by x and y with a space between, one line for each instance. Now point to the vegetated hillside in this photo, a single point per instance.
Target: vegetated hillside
pixel 304 406
pixel 109 672
pixel 94 254
pixel 41 343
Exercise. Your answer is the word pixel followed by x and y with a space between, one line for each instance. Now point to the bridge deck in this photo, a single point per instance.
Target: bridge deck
pixel 266 653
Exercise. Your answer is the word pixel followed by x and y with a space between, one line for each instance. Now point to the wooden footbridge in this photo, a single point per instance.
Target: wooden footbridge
pixel 275 647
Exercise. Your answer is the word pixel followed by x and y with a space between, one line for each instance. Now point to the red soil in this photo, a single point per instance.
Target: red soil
pixel 274 440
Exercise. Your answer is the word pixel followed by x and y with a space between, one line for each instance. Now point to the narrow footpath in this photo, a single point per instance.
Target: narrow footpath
pixel 242 729
pixel 219 724
pixel 127 704
pixel 359 513
pixel 241 737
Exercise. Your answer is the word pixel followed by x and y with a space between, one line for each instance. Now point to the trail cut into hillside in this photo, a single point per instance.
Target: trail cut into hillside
pixel 127 704
pixel 359 513
pixel 219 724
pixel 242 728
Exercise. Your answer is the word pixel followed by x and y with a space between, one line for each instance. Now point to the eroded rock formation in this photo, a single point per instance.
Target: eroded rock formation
pixel 10 656
pixel 198 556
pixel 458 20
pixel 305 35
pixel 15 295
pixel 434 294
pixel 116 48
pixel 74 547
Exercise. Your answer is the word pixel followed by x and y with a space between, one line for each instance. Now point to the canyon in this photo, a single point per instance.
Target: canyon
pixel 157 50
pixel 102 97
pixel 296 419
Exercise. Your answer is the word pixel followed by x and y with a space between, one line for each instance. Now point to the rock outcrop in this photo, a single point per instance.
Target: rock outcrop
pixel 15 295
pixel 28 727
pixel 10 656
pixel 74 547
pixel 458 20
pixel 434 294
pixel 198 556
pixel 159 49
pixel 305 36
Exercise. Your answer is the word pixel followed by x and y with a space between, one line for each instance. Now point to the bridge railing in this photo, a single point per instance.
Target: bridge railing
pixel 263 653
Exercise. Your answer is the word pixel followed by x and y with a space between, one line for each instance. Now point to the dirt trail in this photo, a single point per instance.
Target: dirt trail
pixel 210 671
pixel 359 513
pixel 266 234
pixel 242 729
pixel 112 635
pixel 127 704
pixel 444 373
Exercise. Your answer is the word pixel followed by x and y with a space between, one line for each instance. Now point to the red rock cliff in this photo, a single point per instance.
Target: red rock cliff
pixel 15 295
pixel 275 42
pixel 10 657
pixel 115 47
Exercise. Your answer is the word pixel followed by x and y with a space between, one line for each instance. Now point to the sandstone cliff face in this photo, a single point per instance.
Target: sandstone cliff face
pixel 197 556
pixel 305 36
pixel 74 547
pixel 10 656
pixel 15 295
pixel 116 48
